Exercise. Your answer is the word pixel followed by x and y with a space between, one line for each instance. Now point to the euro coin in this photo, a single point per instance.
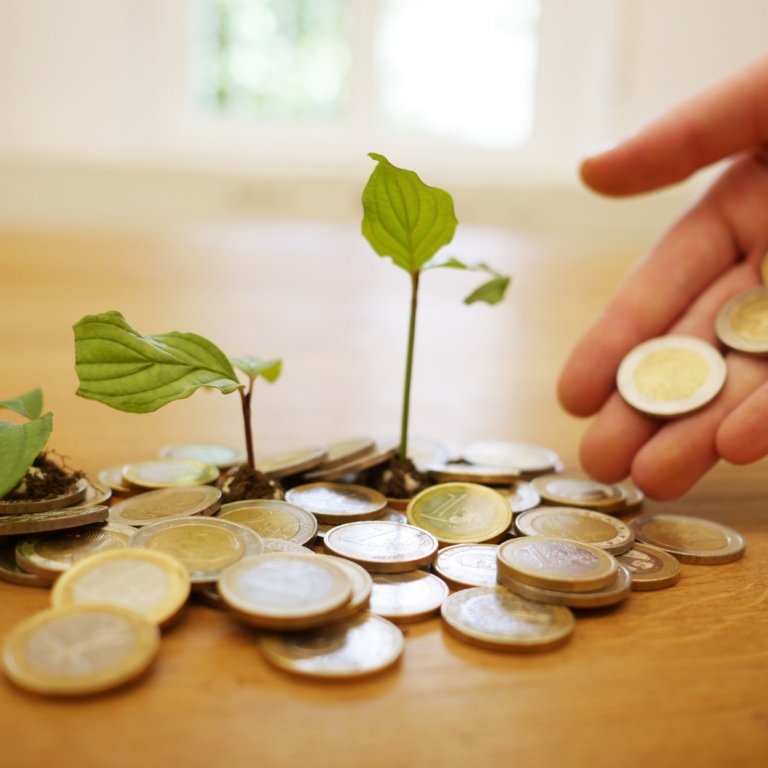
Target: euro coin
pixel 405 597
pixel 284 545
pixel 346 451
pixel 457 513
pixel 742 324
pixel 521 496
pixel 219 456
pixel 494 618
pixel 166 504
pixel 96 494
pixel 424 451
pixel 112 477
pixel 79 649
pixel 168 473
pixel 10 570
pixel 522 458
pixel 362 584
pixel 394 516
pixel 634 496
pixel 671 376
pixel 358 646
pixel 337 502
pixel 570 489
pixel 651 568
pixel 615 592
pixel 153 584
pixel 471 473
pixel 582 525
pixel 382 547
pixel 690 539
pixel 379 456
pixel 75 496
pixel 467 565
pixel 566 566
pixel 206 546
pixel 291 462
pixel 53 520
pixel 285 591
pixel 272 519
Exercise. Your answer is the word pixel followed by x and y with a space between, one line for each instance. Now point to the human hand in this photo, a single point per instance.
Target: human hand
pixel 710 254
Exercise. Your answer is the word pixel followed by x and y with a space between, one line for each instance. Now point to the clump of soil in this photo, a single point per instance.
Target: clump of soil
pixel 249 483
pixel 398 479
pixel 45 479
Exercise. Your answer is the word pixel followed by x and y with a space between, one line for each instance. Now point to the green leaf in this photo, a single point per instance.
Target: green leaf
pixel 253 367
pixel 29 404
pixel 491 292
pixel 20 445
pixel 404 218
pixel 139 374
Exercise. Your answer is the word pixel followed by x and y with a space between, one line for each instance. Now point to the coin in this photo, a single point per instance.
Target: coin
pixel 492 617
pixel 566 566
pixel 521 496
pixel 168 473
pixel 394 516
pixel 423 451
pixel 75 496
pixel 571 489
pixel 112 477
pixel 460 513
pixel 671 375
pixel 219 456
pixel 634 496
pixel 10 570
pixel 358 646
pixel 742 324
pixel 291 462
pixel 405 597
pixel 472 473
pixel 651 568
pixel 165 504
pixel 467 565
pixel 209 594
pixel 272 519
pixel 362 584
pixel 50 554
pixel 97 493
pixel 379 456
pixel 346 451
pixel 690 539
pixel 284 591
pixel 382 547
pixel 151 583
pixel 582 525
pixel 337 502
pixel 522 458
pixel 284 545
pixel 614 593
pixel 206 546
pixel 79 649
pixel 53 520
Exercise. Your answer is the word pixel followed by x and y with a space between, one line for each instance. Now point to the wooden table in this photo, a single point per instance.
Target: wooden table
pixel 677 677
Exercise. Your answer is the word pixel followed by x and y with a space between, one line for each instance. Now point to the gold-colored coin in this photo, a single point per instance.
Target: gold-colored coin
pixel 405 597
pixel 168 473
pixel 362 584
pixel 10 570
pixel 690 539
pixel 219 456
pixel 358 646
pixel 273 519
pixel 379 456
pixel 742 324
pixel 651 568
pixel 151 583
pixel 291 462
pixel 338 502
pixel 493 617
pixel 457 513
pixel 634 496
pixel 571 489
pixel 96 494
pixel 205 546
pixel 566 566
pixel 345 451
pixel 473 473
pixel 583 525
pixel 112 477
pixel 519 458
pixel 285 591
pixel 382 547
pixel 49 555
pixel 521 496
pixel 75 496
pixel 284 545
pixel 166 504
pixel 53 520
pixel 79 649
pixel 671 375
pixel 467 565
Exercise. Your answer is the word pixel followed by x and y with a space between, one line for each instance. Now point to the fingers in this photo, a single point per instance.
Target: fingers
pixel 743 437
pixel 728 118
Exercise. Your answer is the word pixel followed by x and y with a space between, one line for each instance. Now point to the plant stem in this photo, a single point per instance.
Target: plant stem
pixel 246 400
pixel 403 453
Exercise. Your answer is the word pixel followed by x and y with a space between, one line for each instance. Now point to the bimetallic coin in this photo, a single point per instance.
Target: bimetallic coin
pixel 570 489
pixel 671 375
pixel 284 545
pixel 346 451
pixel 166 504
pixel 362 584
pixel 382 547
pixel 358 646
pixel 219 456
pixel 635 497
pixel 521 496
pixel 96 494
pixel 566 566
pixel 75 496
pixel 79 649
pixel 467 565
pixel 460 513
pixel 291 462
pixel 272 519
pixel 337 502
pixel 742 324
pixel 10 570
pixel 379 456
pixel 582 525
pixel 521 458
pixel 472 473
pixel 405 597
pixel 153 584
pixel 205 546
pixel 112 477
pixel 651 568
pixel 616 592
pixel 690 539
pixel 168 473
pixel 53 520
pixel 493 617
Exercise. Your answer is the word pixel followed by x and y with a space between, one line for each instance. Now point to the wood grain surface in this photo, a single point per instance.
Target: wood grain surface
pixel 676 677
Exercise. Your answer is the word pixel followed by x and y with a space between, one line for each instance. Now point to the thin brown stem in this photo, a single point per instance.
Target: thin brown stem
pixel 246 401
